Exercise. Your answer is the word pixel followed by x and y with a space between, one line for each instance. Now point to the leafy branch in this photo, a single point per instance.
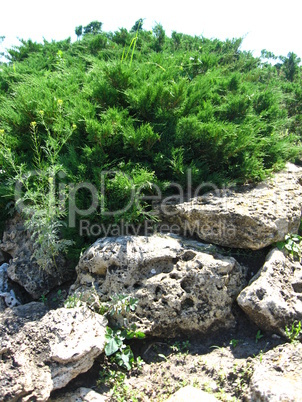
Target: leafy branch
pixel 292 243
pixel 35 193
pixel 120 306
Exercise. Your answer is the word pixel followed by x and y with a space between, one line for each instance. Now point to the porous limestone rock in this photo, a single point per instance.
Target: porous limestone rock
pixel 23 269
pixel 42 350
pixel 80 395
pixel 179 287
pixel 16 240
pixel 191 394
pixel 278 375
pixel 245 217
pixel 273 298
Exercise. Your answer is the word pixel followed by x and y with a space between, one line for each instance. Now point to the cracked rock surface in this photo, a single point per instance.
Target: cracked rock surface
pixel 278 376
pixel 42 350
pixel 23 269
pixel 273 298
pixel 244 217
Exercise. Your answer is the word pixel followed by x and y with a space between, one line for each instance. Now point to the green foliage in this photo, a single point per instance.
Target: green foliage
pixel 119 358
pixel 292 244
pixel 291 66
pixel 93 27
pixel 43 299
pixel 59 297
pixel 37 200
pixel 73 301
pixel 125 192
pixel 244 374
pixel 115 380
pixel 160 37
pixel 114 341
pixel 133 42
pixel 121 306
pixel 181 347
pixel 121 37
pixel 123 354
pixel 234 342
pixel 138 26
pixel 79 31
pixel 294 332
pixel 23 52
pixel 258 336
pixel 1 40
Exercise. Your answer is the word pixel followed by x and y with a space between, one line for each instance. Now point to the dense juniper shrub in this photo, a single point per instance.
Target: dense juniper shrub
pixel 144 108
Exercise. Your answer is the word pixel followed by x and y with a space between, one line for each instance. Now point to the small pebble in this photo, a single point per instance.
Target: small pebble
pixel 275 336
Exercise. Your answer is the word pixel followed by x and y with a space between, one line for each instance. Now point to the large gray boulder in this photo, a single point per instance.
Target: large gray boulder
pixel 179 287
pixel 273 298
pixel 278 375
pixel 23 269
pixel 43 351
pixel 246 217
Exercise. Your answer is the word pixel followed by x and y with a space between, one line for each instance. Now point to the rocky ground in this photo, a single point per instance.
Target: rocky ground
pixel 220 323
pixel 224 365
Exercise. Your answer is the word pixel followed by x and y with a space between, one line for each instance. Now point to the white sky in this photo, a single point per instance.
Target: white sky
pixel 265 24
